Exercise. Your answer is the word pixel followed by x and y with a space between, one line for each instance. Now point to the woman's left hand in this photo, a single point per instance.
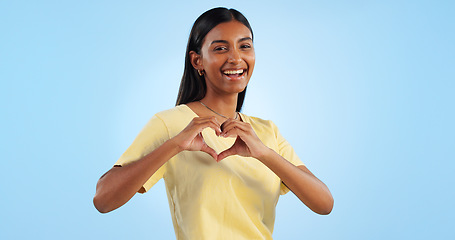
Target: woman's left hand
pixel 307 187
pixel 247 143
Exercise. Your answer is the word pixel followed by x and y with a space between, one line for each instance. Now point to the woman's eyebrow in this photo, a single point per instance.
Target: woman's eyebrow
pixel 219 41
pixel 224 41
pixel 245 38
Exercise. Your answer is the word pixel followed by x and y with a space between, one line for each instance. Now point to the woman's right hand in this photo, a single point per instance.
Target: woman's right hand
pixel 191 139
pixel 119 184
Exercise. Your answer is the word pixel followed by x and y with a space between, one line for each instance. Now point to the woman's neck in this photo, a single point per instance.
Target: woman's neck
pixel 225 106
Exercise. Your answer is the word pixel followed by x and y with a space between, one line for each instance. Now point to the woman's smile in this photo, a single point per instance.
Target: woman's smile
pixel 235 74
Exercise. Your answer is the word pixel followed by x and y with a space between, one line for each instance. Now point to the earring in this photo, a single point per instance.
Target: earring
pixel 200 72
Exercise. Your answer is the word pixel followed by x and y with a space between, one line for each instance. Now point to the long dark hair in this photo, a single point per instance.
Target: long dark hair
pixel 193 86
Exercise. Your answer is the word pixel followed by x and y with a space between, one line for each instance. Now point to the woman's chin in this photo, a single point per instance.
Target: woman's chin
pixel 238 89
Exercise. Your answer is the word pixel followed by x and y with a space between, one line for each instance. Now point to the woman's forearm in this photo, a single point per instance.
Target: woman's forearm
pixel 307 187
pixel 119 184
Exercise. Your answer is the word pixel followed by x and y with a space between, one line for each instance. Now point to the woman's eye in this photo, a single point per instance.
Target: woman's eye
pixel 246 46
pixel 220 48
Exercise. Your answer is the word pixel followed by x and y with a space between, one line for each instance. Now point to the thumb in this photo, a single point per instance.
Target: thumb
pixel 205 148
pixel 226 153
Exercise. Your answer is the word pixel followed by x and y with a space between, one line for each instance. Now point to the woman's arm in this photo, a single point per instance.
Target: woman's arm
pixel 309 189
pixel 118 185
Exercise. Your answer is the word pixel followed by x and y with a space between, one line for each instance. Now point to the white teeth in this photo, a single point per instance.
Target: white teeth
pixel 228 72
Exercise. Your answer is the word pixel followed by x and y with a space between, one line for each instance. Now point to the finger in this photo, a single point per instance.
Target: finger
pixel 199 126
pixel 235 131
pixel 199 120
pixel 216 126
pixel 212 123
pixel 205 148
pixel 187 135
pixel 229 121
pixel 225 123
pixel 228 126
pixel 217 123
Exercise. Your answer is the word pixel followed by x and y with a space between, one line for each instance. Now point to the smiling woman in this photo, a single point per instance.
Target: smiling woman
pixel 224 171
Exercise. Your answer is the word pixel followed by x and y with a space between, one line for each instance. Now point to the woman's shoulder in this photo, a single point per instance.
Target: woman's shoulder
pixel 259 124
pixel 173 119
pixel 180 111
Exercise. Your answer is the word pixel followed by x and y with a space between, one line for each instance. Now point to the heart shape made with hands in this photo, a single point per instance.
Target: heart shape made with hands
pixel 219 144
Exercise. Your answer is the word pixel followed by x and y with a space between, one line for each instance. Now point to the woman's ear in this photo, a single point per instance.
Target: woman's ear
pixel 196 60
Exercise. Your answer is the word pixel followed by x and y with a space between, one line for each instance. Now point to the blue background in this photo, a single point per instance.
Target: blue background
pixel 363 90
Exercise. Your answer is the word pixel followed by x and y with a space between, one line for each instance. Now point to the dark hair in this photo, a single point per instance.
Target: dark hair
pixel 193 87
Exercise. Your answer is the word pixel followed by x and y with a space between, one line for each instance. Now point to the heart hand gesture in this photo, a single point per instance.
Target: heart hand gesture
pixel 247 143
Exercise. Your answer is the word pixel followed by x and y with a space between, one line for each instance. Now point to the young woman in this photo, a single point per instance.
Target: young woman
pixel 223 170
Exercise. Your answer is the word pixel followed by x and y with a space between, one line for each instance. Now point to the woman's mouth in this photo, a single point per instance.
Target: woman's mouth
pixel 234 74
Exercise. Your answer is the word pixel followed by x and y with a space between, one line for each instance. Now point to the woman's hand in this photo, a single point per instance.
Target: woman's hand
pixel 247 143
pixel 191 139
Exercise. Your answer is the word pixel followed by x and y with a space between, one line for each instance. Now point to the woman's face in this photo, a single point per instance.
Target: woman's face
pixel 227 58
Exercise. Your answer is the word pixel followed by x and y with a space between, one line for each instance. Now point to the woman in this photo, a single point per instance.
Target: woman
pixel 223 170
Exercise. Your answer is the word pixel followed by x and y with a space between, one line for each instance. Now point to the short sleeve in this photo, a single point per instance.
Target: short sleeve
pixel 153 135
pixel 287 152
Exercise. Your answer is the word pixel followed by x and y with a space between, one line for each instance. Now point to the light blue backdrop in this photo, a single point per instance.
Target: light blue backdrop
pixel 363 90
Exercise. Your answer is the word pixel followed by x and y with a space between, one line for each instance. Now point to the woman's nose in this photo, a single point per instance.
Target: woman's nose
pixel 234 56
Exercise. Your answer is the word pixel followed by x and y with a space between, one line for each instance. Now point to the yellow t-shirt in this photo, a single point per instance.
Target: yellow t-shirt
pixel 232 199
